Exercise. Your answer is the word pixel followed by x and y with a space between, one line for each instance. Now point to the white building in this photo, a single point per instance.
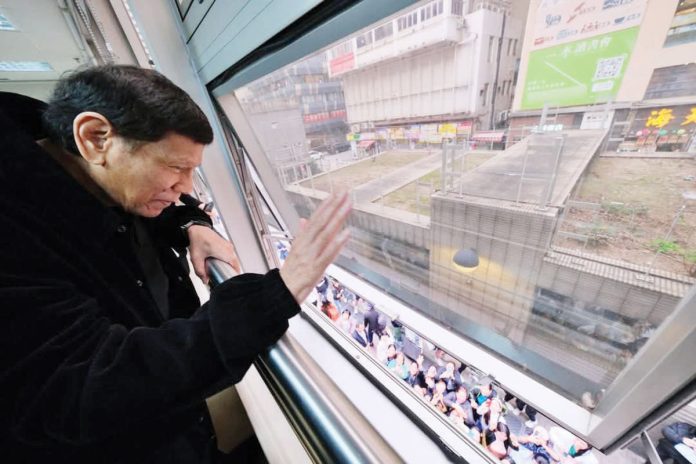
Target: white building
pixel 435 62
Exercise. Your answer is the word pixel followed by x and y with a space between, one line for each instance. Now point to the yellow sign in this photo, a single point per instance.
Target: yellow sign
pixel 659 118
pixel 690 118
pixel 448 130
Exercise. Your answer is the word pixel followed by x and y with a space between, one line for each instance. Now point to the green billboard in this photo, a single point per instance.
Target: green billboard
pixel 578 73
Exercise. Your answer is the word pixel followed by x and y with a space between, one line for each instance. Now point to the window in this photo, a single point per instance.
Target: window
pixel 383 31
pixel 364 39
pixel 458 7
pixel 566 275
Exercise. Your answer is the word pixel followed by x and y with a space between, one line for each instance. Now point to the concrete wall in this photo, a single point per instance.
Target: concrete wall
pixel 620 297
pixel 510 244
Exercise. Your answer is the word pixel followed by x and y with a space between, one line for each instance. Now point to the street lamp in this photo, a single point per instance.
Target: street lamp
pixel 467 259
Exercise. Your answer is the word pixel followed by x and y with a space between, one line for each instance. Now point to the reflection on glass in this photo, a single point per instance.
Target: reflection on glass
pixel 451 138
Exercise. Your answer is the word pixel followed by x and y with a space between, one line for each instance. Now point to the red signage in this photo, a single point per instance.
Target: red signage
pixel 341 64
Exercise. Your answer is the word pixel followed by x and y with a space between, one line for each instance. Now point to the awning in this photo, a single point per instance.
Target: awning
pixel 489 136
pixel 365 143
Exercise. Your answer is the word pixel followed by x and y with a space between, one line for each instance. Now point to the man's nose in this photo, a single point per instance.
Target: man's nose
pixel 185 183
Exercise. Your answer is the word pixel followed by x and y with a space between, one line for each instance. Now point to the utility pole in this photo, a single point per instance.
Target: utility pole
pixel 497 70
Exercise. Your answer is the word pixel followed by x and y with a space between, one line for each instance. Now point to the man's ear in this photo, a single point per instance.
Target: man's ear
pixel 93 135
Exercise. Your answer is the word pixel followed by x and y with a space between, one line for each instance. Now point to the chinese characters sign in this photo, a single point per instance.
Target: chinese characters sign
pixel 582 72
pixel 562 21
pixel 673 126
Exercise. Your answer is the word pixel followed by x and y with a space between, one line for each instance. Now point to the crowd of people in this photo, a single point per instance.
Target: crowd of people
pixel 472 401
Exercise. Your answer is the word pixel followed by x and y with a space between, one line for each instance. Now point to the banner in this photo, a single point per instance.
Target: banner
pixel 397 133
pixel 562 21
pixel 429 133
pixel 578 73
pixel 448 130
pixel 464 128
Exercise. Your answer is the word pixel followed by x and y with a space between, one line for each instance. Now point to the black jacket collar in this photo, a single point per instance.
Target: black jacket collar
pixel 38 180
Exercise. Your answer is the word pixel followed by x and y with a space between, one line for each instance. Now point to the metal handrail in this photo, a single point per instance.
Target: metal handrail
pixel 327 424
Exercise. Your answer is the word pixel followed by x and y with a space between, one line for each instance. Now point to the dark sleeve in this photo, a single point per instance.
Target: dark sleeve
pixel 166 228
pixel 71 375
pixel 676 432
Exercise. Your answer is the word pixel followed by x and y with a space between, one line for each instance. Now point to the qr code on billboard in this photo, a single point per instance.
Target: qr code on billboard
pixel 609 68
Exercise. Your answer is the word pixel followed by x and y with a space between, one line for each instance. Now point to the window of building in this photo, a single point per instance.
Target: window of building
pixel 458 7
pixel 491 45
pixel 440 7
pixel 514 48
pixel 383 31
pixel 484 94
pixel 364 39
pixel 509 47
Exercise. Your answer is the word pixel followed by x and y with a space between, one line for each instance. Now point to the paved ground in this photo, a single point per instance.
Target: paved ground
pixel 373 190
pixel 526 169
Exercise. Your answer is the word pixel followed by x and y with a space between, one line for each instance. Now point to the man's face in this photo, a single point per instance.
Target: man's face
pixel 149 178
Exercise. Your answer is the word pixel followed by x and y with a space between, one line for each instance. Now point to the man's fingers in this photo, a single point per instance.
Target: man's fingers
pixel 199 268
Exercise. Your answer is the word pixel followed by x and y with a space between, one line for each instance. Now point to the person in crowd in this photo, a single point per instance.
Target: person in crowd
pixel 498 441
pixel 359 334
pixel 107 353
pixel 517 406
pixel 397 331
pixel 679 443
pixel 437 399
pixel 489 414
pixel 372 323
pixel 451 377
pixel 415 376
pixel 330 310
pixel 400 368
pixel 391 356
pixel 429 387
pixel 541 447
pixel 323 288
pixel 484 391
pixel 344 323
pixel 459 404
pixel 382 347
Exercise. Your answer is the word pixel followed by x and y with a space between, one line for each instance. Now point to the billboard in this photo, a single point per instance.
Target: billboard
pixel 683 27
pixel 561 21
pixel 578 73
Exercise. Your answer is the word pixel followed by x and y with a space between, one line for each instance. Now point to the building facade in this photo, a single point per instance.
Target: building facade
pixel 575 57
pixel 434 72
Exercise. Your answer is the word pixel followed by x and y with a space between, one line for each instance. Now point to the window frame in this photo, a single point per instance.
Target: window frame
pixel 654 375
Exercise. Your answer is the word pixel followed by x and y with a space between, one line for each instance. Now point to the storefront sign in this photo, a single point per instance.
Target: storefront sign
pixel 342 64
pixel 397 133
pixel 597 119
pixel 464 128
pixel 429 133
pixel 664 128
pixel 448 130
pixel 582 72
pixel 563 21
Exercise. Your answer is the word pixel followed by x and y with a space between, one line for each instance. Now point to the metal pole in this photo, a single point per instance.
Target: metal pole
pixel 497 72
pixel 560 141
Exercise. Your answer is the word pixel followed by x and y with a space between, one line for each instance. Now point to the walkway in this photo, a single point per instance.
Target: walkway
pixel 373 190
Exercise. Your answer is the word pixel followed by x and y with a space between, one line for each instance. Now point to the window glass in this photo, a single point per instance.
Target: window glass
pixel 556 228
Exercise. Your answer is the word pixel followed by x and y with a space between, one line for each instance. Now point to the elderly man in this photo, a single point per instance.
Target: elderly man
pixel 106 354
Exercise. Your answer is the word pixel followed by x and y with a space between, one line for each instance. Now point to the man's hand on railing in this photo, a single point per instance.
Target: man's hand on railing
pixel 206 243
pixel 316 245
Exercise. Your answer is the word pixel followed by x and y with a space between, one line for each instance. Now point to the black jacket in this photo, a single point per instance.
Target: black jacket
pixel 90 371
